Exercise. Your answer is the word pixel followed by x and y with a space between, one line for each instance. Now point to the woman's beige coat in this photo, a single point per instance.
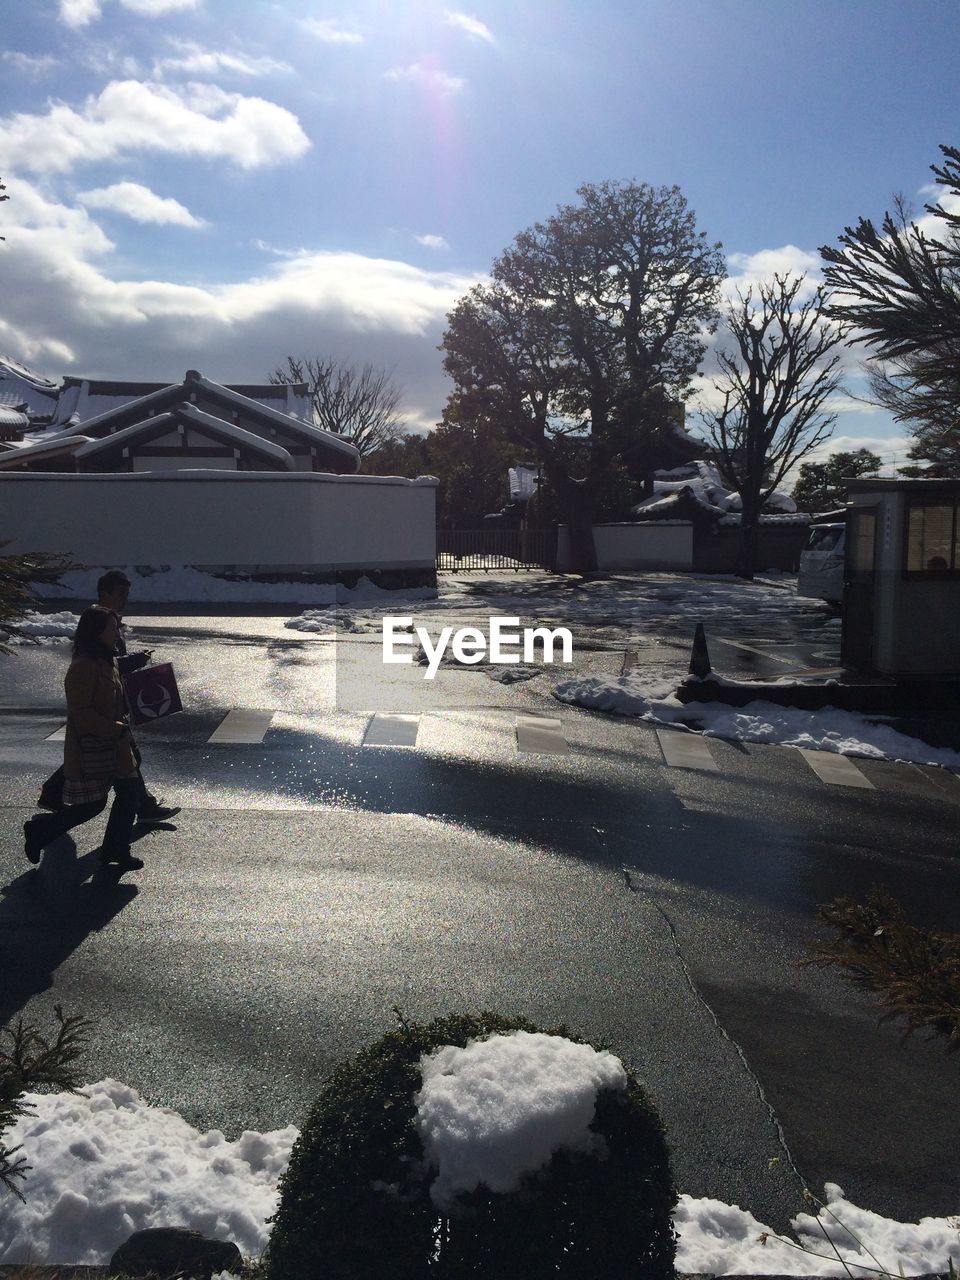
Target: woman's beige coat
pixel 95 705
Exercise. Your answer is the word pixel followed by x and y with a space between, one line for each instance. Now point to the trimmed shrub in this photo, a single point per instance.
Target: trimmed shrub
pixel 355 1201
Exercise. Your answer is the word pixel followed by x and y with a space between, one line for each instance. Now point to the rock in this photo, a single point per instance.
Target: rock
pixel 175 1251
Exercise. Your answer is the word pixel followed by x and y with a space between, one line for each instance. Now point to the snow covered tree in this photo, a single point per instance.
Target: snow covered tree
pixel 775 383
pixel 900 289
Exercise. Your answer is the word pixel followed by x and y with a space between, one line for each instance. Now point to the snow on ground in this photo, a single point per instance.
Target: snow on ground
pixel 828 729
pixel 50 627
pixel 181 584
pixel 105 1164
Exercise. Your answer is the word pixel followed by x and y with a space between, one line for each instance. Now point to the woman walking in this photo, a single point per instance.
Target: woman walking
pixel 98 751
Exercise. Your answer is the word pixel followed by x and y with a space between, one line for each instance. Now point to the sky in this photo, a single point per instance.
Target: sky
pixel 217 184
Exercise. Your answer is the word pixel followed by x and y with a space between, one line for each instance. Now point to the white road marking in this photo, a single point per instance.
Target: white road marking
pixel 541 734
pixel 242 725
pixel 837 770
pixel 686 750
pixel 764 653
pixel 58 735
pixel 387 729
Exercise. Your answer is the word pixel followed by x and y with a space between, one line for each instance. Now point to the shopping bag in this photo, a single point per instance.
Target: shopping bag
pixel 152 693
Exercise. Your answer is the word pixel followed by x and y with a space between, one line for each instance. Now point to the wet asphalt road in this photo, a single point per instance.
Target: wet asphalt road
pixel 312 883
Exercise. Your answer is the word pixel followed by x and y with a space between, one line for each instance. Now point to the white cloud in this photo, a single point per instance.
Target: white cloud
pixel 749 269
pixel 472 26
pixel 30 64
pixel 77 13
pixel 129 116
pixel 433 78
pixel 195 60
pixel 60 297
pixel 156 8
pixel 139 203
pixel 432 242
pixel 330 31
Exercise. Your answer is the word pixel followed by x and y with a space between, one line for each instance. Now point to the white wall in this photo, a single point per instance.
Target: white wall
pixel 264 520
pixel 661 545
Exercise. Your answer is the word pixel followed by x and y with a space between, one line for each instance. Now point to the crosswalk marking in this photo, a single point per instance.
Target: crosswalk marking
pixel 686 750
pixel 764 653
pixel 242 725
pixel 392 730
pixel 541 734
pixel 58 735
pixel 837 770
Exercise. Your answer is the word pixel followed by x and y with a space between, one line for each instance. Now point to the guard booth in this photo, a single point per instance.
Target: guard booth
pixel 901 597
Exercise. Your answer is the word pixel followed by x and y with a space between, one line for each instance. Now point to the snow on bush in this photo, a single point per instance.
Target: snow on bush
pixel 500 1108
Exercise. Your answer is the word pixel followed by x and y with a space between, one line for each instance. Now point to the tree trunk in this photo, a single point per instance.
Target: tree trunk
pixel 576 508
pixel 749 535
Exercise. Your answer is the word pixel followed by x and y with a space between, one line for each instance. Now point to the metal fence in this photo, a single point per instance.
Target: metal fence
pixel 459 550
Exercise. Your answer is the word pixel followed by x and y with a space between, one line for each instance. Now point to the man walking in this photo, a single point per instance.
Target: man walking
pixel 113 590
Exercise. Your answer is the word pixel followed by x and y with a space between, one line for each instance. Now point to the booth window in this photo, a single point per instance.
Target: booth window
pixel 932 538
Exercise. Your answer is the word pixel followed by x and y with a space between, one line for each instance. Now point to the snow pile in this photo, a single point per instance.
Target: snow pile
pixel 828 729
pixel 182 584
pixel 501 1107
pixel 53 627
pixel 717 1238
pixel 106 1164
pixel 324 621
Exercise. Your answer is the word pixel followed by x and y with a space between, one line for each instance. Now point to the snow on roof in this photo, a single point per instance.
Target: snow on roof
pixel 307 432
pixel 701 481
pixel 205 421
pixel 15 369
pixel 166 397
pixel 10 417
pixel 60 443
pixel 24 389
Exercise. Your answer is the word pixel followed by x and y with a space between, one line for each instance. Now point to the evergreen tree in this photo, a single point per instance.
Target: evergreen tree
pixel 900 289
pixel 820 485
pixel 18 575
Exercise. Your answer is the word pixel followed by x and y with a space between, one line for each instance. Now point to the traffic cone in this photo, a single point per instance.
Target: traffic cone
pixel 699 658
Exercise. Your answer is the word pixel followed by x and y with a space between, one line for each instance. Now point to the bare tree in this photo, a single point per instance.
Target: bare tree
pixel 362 405
pixel 775 385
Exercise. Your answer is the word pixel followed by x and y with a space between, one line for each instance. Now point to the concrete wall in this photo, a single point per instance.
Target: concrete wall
pixel 262 521
pixel 665 545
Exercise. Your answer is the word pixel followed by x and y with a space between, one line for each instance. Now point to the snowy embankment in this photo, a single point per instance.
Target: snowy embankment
pixel 49 628
pixel 105 1164
pixel 181 584
pixel 827 729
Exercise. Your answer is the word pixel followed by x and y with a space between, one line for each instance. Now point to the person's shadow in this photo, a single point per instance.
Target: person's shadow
pixel 46 913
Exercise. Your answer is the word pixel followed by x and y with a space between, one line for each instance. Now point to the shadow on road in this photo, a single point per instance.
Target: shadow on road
pixel 46 914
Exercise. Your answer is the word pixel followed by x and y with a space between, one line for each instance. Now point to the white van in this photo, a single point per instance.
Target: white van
pixel 821 563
